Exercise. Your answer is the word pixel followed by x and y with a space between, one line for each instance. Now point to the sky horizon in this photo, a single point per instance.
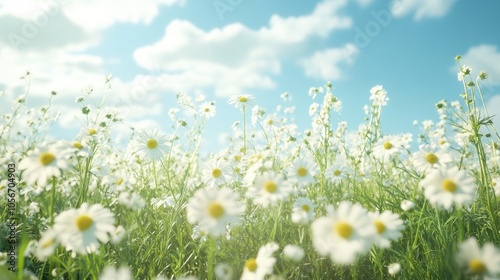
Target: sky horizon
pixel 157 48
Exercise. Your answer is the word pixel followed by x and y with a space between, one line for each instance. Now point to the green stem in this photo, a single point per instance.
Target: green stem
pixel 414 245
pixel 244 130
pixel 52 201
pixel 211 257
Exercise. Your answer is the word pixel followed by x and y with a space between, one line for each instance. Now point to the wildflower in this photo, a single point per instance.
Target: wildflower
pixel 207 109
pixel 445 186
pixel 213 210
pixel 80 230
pixel 429 157
pixel 303 171
pixel 482 262
pixel 293 252
pixel 337 172
pixel 394 268
pixel 151 145
pixel 241 101
pixel 303 211
pixel 262 265
pixel 344 233
pixel 43 164
pixel 118 234
pixel 223 272
pixel 132 201
pixel 111 273
pixel 389 227
pixel 46 245
pixel 269 188
pixel 217 173
pixel 387 147
pixel 378 95
pixel 163 201
pixel 464 71
pixel 3 258
pixel 407 205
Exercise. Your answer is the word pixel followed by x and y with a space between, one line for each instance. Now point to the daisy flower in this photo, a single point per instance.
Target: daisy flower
pixel 151 145
pixel 240 101
pixel 207 110
pixel 389 227
pixel 258 268
pixel 393 268
pixel 269 188
pixel 293 252
pixel 111 273
pixel 80 230
pixel 344 233
pixel 217 173
pixel 213 210
pixel 303 211
pixel 429 157
pixel 223 271
pixel 387 147
pixel 43 164
pixel 303 171
pixel 495 183
pixel 482 262
pixel 407 205
pixel 335 173
pixel 445 186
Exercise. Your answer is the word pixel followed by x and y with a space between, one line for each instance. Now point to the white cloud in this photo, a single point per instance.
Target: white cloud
pixel 483 58
pixel 421 8
pixel 235 58
pixel 325 64
pixel 493 106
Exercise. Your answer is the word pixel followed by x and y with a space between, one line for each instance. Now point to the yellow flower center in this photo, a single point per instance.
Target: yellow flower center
pixel 119 181
pixel 83 222
pixel 270 122
pixel 442 142
pixel 431 158
pixel 207 110
pixel 379 226
pixel 243 99
pixel 215 210
pixel 302 171
pixel 270 186
pixel 493 184
pixel 92 132
pixel 387 145
pixel 47 243
pixel 47 158
pixel 344 230
pixel 216 173
pixel 152 143
pixel 337 172
pixel 306 207
pixel 237 157
pixel 477 266
pixel 449 185
pixel 78 145
pixel 251 265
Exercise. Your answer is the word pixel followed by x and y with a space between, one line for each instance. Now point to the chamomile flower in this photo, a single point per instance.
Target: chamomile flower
pixel 394 268
pixel 407 205
pixel 344 233
pixel 303 171
pixel 80 230
pixel 445 186
pixel 293 253
pixel 43 164
pixel 269 188
pixel 213 210
pixel 479 262
pixel 207 110
pixel 151 145
pixel 303 211
pixel 240 101
pixel 46 245
pixel 428 157
pixel 495 183
pixel 217 173
pixel 387 147
pixel 389 227
pixel 262 265
pixel 223 272
pixel 338 172
pixel 111 273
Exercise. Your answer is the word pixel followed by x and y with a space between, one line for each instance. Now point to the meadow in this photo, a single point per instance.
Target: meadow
pixel 329 202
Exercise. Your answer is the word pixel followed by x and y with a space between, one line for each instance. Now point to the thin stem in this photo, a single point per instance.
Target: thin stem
pixel 52 201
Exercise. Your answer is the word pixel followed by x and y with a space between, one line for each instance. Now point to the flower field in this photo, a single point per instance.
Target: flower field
pixel 329 202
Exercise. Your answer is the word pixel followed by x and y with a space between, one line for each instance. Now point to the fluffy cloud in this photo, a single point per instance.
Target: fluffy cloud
pixel 421 8
pixel 484 58
pixel 234 59
pixel 325 64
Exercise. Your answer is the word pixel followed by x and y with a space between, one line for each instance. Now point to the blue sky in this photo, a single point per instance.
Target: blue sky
pixel 263 48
